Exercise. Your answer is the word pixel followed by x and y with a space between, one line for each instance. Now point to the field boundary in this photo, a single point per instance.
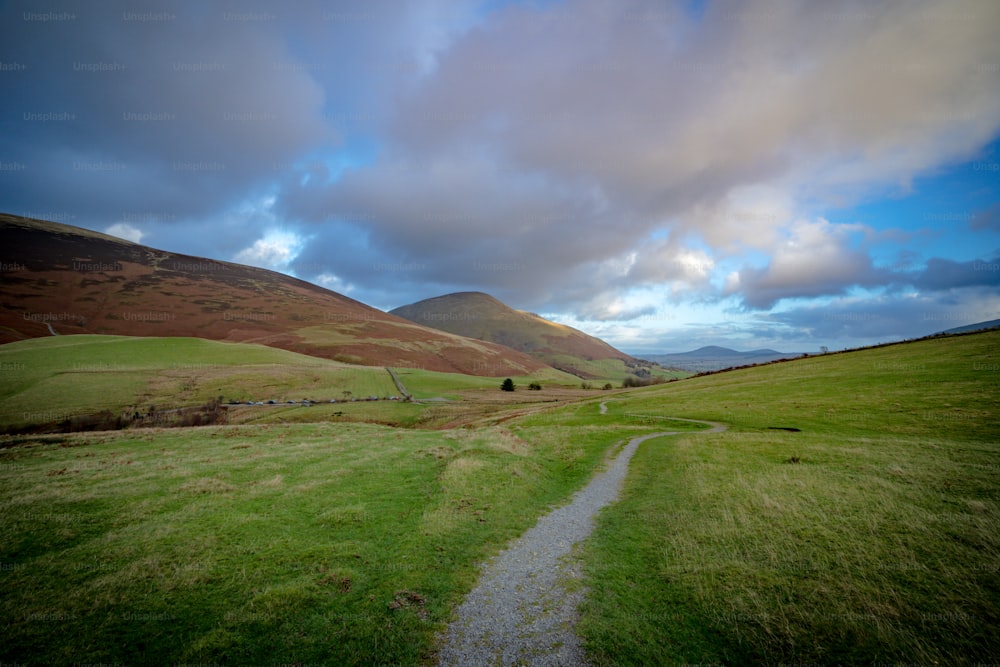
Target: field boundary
pixel 407 396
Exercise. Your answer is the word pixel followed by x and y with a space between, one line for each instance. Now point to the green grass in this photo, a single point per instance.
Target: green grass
pixel 390 413
pixel 880 544
pixel 49 379
pixel 267 544
pixel 42 381
pixel 432 384
pixel 43 378
pixel 348 543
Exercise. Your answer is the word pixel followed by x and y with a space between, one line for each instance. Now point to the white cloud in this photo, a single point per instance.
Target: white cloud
pixel 817 258
pixel 125 231
pixel 732 284
pixel 276 250
pixel 333 282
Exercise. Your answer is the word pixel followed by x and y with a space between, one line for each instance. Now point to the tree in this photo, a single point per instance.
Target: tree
pixel 824 349
pixel 508 385
pixel 534 386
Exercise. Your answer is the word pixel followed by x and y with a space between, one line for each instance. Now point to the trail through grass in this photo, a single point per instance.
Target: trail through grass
pixel 868 535
pixel 317 543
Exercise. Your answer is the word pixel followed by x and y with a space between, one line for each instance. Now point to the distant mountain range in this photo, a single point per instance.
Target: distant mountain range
pixel 715 358
pixel 979 326
pixel 481 316
pixel 59 279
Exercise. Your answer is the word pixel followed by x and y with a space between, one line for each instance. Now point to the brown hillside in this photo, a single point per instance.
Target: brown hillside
pixel 481 316
pixel 80 281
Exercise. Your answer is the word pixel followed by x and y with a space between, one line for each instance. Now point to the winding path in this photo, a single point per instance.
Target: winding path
pixel 522 612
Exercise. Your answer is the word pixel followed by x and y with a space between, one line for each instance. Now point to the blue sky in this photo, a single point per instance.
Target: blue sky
pixel 665 175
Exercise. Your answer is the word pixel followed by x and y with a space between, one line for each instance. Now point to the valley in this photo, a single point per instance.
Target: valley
pixel 336 540
pixel 500 333
pixel 285 476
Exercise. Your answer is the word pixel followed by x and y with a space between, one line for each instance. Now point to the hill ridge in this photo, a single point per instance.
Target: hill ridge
pixel 80 281
pixel 484 317
pixel 978 326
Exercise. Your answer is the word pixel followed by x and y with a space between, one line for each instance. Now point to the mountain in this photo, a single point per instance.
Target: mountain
pixel 714 358
pixel 478 315
pixel 711 351
pixel 979 326
pixel 59 279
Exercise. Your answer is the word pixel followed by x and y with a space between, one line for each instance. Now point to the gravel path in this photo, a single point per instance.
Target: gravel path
pixel 521 612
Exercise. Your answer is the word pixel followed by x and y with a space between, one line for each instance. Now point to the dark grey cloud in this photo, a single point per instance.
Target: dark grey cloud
pixel 945 274
pixel 175 124
pixel 827 266
pixel 838 323
pixel 177 111
pixel 988 219
pixel 851 322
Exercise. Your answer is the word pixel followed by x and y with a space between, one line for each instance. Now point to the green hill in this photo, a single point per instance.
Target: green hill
pixel 49 380
pixel 869 533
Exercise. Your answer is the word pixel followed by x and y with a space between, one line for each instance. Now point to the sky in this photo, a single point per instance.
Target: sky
pixel 664 175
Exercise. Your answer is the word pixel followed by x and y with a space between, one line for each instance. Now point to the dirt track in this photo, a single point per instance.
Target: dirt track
pixel 521 612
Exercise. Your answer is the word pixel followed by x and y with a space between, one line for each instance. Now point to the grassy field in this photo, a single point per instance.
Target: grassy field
pixel 388 413
pixel 42 380
pixel 472 409
pixel 872 535
pixel 292 544
pixel 48 379
pixel 431 384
